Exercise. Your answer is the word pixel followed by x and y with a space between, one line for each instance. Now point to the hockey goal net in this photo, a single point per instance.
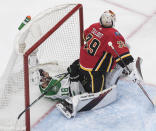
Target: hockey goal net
pixel 51 42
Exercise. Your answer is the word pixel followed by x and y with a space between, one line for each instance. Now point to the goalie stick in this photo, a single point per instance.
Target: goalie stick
pixel 138 66
pixel 19 116
pixel 136 81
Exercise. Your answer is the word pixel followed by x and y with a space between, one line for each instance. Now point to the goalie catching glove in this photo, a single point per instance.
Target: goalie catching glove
pixel 75 85
pixel 73 70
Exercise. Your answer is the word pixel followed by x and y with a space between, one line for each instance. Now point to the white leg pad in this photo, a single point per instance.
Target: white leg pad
pixel 91 101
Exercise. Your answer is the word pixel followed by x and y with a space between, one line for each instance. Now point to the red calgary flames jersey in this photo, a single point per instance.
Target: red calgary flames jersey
pixel 96 54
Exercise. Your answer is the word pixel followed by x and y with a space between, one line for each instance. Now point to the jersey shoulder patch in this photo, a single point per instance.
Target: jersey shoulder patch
pixel 117 33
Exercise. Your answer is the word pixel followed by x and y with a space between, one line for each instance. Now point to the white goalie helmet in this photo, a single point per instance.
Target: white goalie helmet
pixel 108 19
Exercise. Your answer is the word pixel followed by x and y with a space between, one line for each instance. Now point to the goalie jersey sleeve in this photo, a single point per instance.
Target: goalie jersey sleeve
pixel 97 55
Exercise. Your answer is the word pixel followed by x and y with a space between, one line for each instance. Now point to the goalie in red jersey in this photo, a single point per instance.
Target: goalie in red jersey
pixel 97 57
pixel 99 66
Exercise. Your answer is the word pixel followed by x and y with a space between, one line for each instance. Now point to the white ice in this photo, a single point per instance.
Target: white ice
pixel 136 22
pixel 131 112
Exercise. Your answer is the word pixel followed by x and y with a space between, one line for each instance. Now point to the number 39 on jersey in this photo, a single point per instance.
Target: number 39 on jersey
pixel 92 44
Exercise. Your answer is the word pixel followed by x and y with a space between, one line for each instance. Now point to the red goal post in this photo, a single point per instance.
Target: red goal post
pixel 77 7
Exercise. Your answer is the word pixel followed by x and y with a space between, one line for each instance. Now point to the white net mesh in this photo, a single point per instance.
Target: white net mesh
pixel 54 55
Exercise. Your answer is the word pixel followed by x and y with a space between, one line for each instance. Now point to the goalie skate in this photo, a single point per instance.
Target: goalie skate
pixel 64 110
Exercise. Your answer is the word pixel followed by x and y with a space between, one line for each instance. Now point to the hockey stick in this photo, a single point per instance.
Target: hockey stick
pixel 136 81
pixel 138 63
pixel 41 95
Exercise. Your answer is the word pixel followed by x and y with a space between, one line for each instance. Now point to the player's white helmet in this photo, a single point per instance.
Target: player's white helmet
pixel 108 19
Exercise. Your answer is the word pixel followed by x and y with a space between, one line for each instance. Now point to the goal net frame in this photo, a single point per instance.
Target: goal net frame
pixel 79 8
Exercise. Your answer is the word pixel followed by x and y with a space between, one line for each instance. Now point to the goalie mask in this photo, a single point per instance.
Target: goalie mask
pixel 108 19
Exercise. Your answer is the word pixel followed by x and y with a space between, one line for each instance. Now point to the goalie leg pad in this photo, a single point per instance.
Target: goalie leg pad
pixel 63 110
pixel 76 88
pixel 112 77
pixel 89 101
pixel 97 100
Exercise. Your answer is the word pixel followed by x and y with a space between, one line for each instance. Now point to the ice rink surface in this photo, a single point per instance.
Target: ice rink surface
pixel 136 22
pixel 131 112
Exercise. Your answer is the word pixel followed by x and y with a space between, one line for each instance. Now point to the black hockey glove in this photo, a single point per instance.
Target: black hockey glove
pixel 41 72
pixel 73 70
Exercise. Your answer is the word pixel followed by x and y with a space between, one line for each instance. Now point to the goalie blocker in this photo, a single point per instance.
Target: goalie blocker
pixel 87 101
